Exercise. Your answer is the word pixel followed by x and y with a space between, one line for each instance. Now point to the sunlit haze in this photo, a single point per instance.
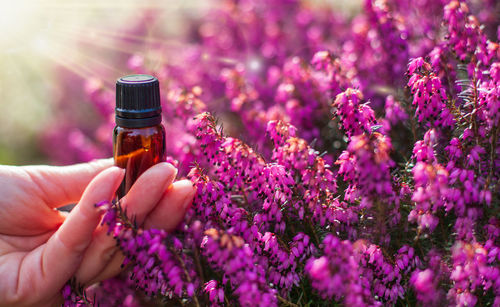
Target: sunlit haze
pixel 39 36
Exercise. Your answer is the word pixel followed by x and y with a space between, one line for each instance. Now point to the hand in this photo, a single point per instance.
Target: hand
pixel 41 248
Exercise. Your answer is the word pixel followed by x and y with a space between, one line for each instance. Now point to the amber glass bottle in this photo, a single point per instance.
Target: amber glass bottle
pixel 139 136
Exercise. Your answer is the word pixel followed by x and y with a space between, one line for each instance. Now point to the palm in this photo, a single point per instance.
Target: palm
pixel 41 247
pixel 26 209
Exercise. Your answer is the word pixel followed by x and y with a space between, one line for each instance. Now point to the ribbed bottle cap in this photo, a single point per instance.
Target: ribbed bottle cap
pixel 138 101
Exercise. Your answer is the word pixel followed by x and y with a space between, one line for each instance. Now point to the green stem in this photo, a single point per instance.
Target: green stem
pixel 286 302
pixel 494 139
pixel 188 278
pixel 198 265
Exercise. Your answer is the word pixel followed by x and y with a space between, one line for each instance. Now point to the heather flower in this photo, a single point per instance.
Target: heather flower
pixel 425 286
pixel 314 179
pixel 426 282
pixel 158 267
pixel 394 201
pixel 431 184
pixel 355 117
pixel 115 291
pixel 493 230
pixel 390 38
pixel 236 260
pixel 215 294
pixel 424 149
pixel 385 277
pixel 429 96
pixel 470 272
pixel 357 273
pixel 489 97
pixel 394 112
pixel 372 160
pixel 455 149
pixel 337 275
pixel 365 166
pixel 300 93
pixel 72 295
pixel 331 74
pixel 283 263
pixel 464 32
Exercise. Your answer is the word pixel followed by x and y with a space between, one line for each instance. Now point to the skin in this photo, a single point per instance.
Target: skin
pixel 41 248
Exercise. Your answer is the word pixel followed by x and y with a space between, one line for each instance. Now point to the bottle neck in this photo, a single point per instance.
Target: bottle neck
pixel 138 122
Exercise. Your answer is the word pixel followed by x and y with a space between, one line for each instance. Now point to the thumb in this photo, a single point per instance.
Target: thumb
pixel 62 185
pixel 63 252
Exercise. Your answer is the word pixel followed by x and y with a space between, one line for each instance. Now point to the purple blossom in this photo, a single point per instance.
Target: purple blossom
pixel 357 272
pixel 158 265
pixel 470 272
pixel 215 293
pixel 355 117
pixel 236 260
pixel 429 96
pixel 464 32
pixel 366 164
pixel 394 201
pixel 425 286
pixel 72 297
pixel 431 184
pixel 390 40
pixel 394 112
pixel 115 291
pixel 336 274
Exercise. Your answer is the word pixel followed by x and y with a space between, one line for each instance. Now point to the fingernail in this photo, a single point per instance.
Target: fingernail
pixel 169 168
pixel 116 169
pixel 185 188
pixel 100 163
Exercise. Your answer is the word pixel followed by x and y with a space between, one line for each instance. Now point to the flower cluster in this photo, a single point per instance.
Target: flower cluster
pixel 354 116
pixel 394 112
pixel 366 165
pixel 464 32
pixel 116 291
pixel 336 273
pixel 215 294
pixel 429 96
pixel 357 272
pixel 231 255
pixel 426 281
pixel 328 175
pixel 431 184
pixel 388 29
pixel 157 264
pixel 472 271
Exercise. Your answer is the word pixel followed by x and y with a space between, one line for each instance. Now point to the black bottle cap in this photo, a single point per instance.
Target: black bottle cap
pixel 138 101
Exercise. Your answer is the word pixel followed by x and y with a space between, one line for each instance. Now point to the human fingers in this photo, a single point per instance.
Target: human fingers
pixel 47 268
pixel 10 244
pixel 61 185
pixel 148 190
pixel 172 208
pixel 112 268
pixel 144 195
pixel 166 215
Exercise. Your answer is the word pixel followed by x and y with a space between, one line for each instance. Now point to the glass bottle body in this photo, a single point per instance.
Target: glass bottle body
pixel 136 150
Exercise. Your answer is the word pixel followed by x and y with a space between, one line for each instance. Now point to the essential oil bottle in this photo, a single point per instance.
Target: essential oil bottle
pixel 139 136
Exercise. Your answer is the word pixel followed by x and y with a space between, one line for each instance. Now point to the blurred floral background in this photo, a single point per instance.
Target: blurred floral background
pixel 49 42
pixel 366 131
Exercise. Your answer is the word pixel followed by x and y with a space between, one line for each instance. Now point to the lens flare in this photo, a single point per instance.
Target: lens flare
pixel 39 36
